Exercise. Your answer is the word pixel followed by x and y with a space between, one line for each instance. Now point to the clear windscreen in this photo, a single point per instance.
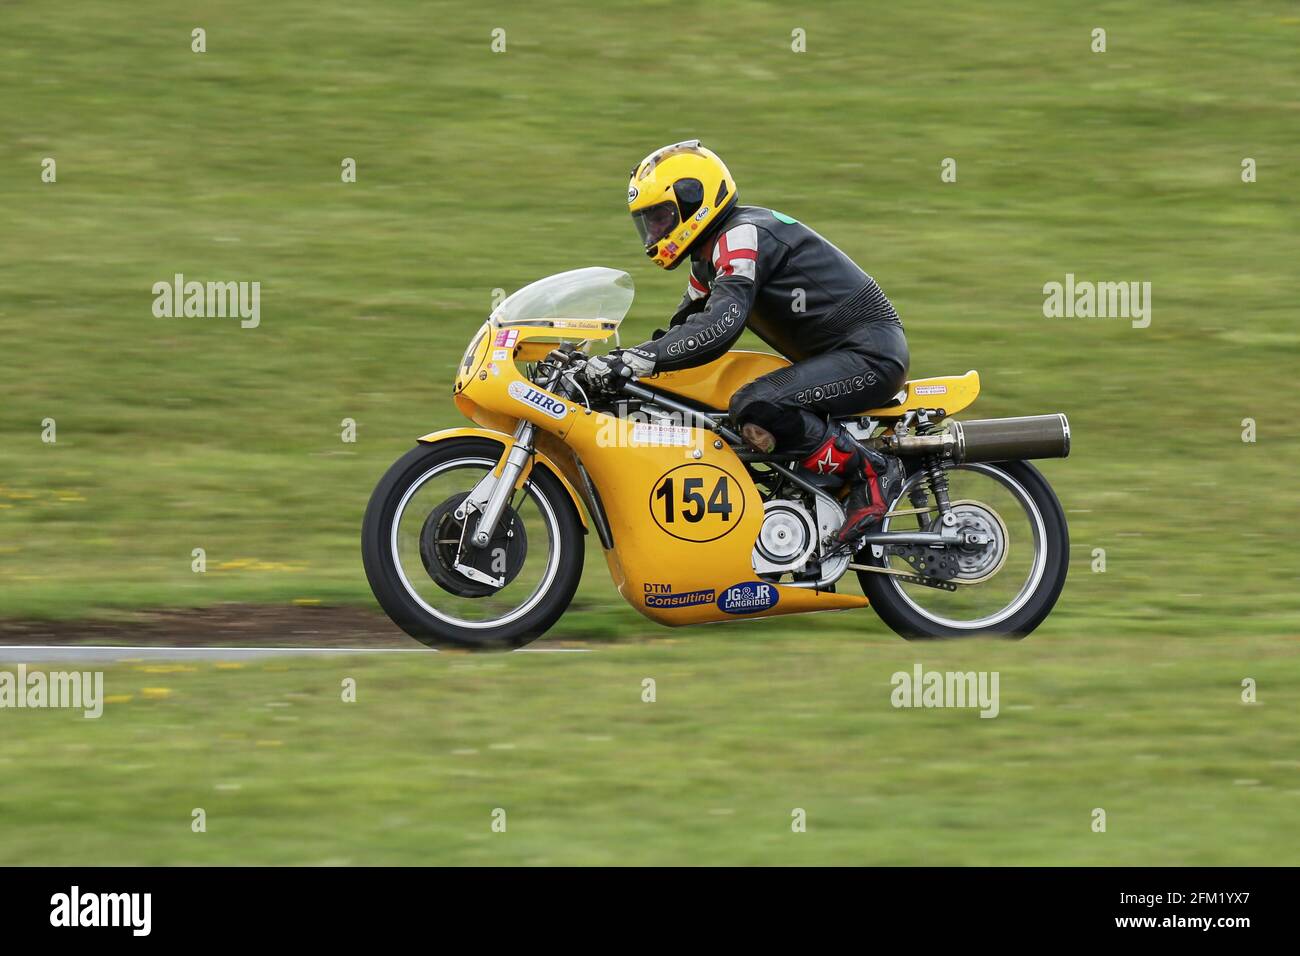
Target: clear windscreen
pixel 581 294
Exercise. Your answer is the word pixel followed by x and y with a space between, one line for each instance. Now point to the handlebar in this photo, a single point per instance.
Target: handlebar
pixel 565 363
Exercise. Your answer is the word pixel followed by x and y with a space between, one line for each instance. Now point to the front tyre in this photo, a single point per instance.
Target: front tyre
pixel 409 555
pixel 1006 593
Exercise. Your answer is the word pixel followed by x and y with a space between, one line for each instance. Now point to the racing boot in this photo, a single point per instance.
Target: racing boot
pixel 874 478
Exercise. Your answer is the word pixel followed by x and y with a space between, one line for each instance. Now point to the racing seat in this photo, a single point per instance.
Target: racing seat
pixel 952 393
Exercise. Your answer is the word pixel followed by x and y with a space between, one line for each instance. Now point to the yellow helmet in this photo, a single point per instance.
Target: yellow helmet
pixel 674 194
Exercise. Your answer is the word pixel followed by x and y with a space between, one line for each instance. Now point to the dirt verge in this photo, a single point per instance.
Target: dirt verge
pixel 236 625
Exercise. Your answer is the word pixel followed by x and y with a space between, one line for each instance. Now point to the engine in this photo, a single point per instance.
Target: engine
pixel 790 541
pixel 787 538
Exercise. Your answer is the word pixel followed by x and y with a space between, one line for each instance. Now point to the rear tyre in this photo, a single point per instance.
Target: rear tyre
pixel 397 553
pixel 902 607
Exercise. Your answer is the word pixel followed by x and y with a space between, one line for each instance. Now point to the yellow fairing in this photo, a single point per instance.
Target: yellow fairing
pixel 671 566
pixel 488 373
pixel 673 569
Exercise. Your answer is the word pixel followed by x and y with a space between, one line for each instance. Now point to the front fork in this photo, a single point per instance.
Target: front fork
pixel 488 499
pixel 491 495
pixel 500 486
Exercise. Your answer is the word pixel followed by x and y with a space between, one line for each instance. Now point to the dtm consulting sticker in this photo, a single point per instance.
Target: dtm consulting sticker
pixel 663 595
pixel 748 598
pixel 523 392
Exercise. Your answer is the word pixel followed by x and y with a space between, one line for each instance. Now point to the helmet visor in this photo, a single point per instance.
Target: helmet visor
pixel 655 222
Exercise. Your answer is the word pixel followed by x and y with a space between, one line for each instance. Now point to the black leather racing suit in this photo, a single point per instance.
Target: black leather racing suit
pixel 806 299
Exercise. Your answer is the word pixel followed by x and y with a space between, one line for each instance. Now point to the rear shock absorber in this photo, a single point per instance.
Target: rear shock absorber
pixel 936 477
pixel 933 483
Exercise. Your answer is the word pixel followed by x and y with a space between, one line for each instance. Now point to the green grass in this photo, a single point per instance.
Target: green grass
pixel 746 727
pixel 479 171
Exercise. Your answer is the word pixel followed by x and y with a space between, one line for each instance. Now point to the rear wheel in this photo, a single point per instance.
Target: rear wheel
pixel 411 538
pixel 1006 587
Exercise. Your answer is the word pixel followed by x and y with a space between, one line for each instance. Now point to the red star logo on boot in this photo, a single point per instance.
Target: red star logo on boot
pixel 827 464
pixel 828 459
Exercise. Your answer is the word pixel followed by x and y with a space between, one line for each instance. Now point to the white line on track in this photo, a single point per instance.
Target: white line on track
pixel 110 652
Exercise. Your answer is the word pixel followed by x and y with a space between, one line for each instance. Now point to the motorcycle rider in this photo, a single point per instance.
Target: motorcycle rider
pixel 801 295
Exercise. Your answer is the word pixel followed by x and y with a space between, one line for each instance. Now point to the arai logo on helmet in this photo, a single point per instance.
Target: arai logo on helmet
pixel 523 392
pixel 632 193
pixel 748 598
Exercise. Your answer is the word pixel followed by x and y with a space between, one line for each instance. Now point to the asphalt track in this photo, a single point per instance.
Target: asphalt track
pixel 109 654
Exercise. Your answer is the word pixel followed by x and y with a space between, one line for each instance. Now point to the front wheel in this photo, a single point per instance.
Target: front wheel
pixel 1006 587
pixel 411 536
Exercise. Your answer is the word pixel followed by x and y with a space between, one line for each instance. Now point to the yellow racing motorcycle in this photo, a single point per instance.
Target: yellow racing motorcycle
pixel 476 537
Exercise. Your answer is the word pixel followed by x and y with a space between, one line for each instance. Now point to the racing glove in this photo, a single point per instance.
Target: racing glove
pixel 605 372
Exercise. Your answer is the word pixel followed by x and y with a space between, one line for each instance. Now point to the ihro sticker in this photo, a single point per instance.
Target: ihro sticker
pixel 930 389
pixel 523 392
pixel 671 436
